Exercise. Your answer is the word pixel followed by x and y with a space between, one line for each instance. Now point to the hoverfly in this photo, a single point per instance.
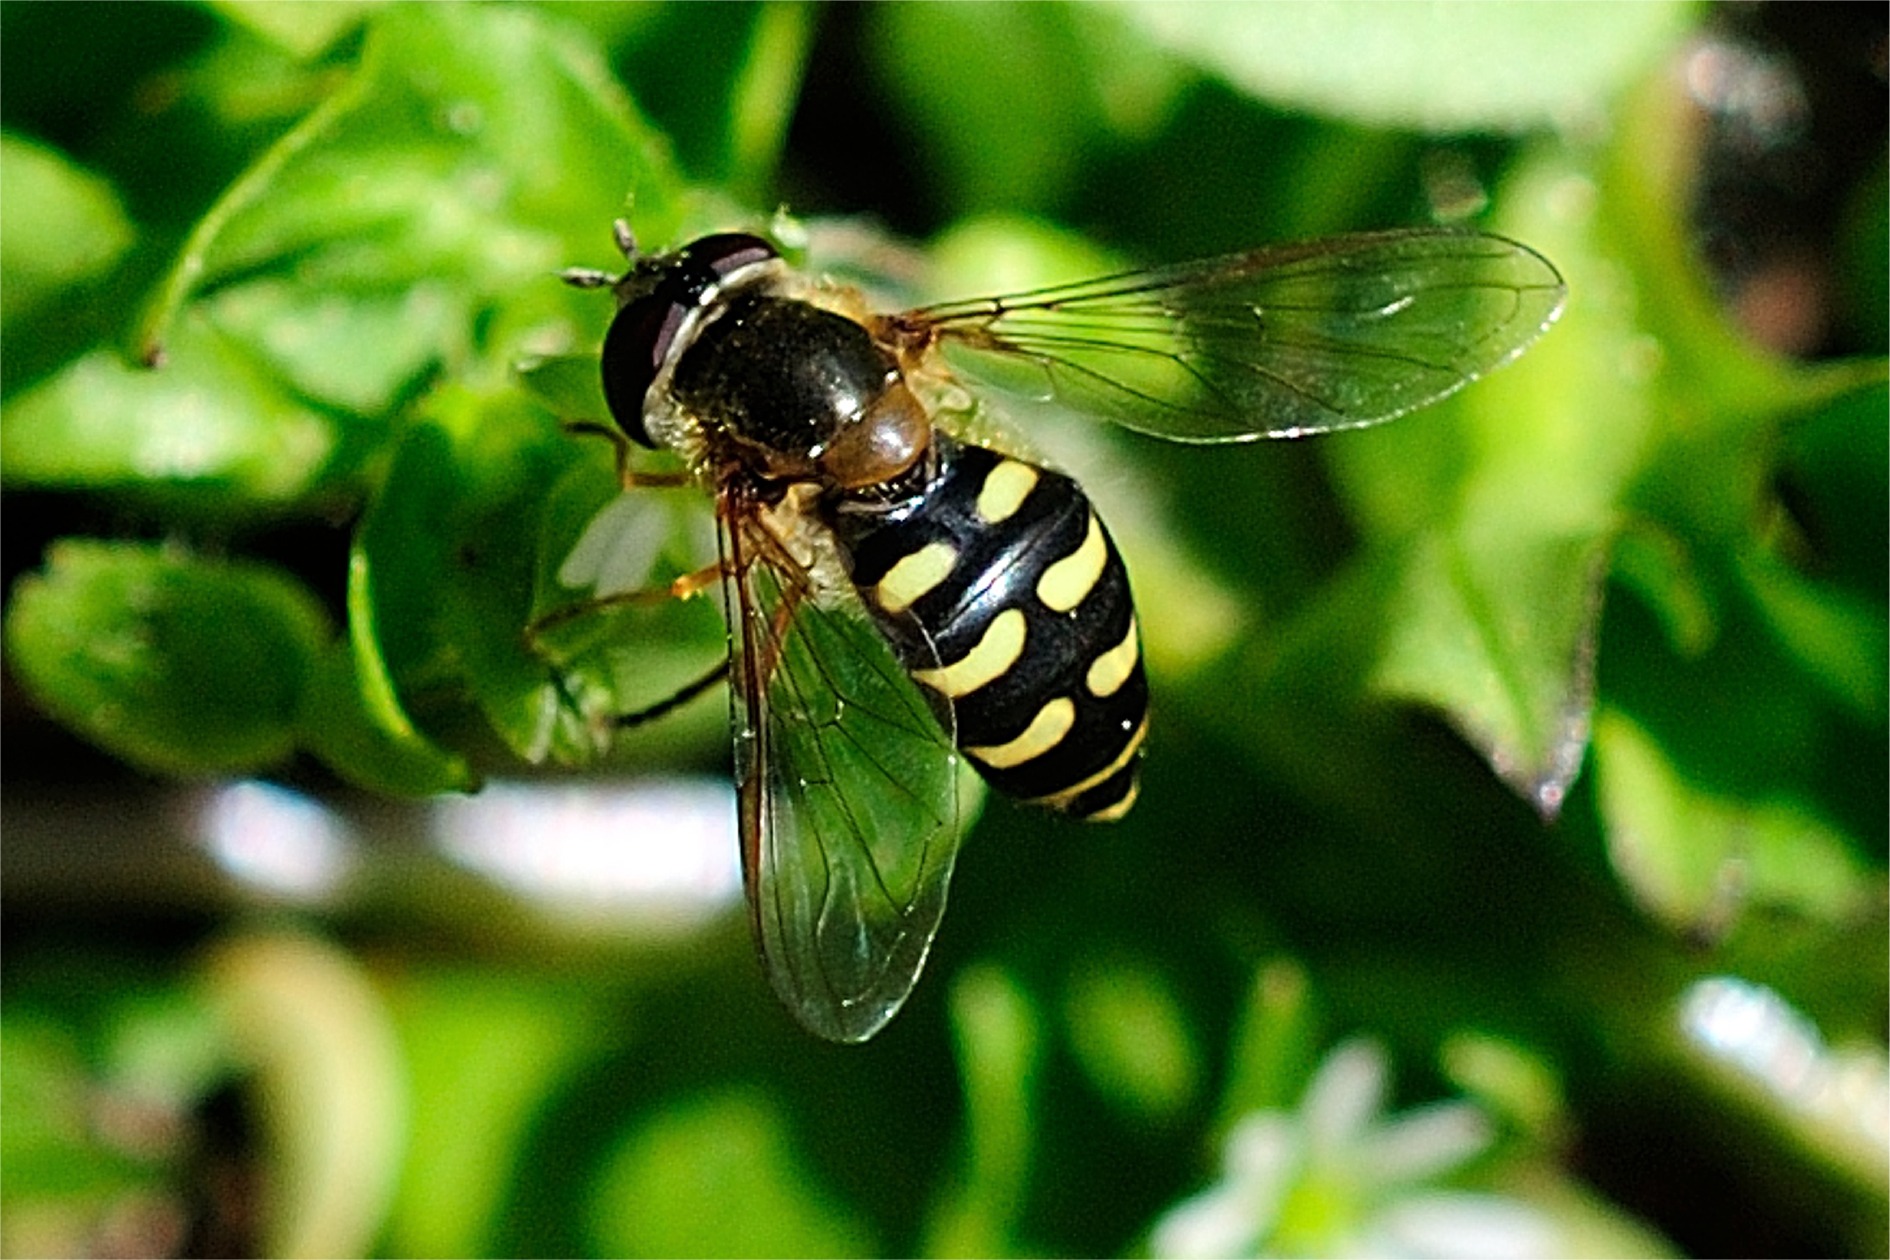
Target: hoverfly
pixel 899 596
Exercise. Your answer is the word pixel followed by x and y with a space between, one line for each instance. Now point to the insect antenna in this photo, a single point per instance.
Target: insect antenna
pixel 592 277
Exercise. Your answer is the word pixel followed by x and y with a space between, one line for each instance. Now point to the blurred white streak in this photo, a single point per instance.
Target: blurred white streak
pixel 1754 1032
pixel 275 841
pixel 659 854
pixel 1756 93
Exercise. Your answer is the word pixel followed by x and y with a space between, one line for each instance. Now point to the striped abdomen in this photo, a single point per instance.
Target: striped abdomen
pixel 1006 570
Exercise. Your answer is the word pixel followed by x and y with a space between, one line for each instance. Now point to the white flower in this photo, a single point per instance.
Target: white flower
pixel 1336 1178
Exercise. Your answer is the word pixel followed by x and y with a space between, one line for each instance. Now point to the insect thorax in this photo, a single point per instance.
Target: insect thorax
pixel 775 380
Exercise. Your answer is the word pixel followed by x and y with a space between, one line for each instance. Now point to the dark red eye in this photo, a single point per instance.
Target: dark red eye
pixel 728 252
pixel 635 348
pixel 643 334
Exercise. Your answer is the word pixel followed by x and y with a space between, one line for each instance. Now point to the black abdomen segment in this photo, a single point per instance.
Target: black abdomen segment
pixel 1006 570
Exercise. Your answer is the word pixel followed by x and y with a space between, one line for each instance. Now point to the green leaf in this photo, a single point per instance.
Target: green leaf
pixel 481 507
pixel 52 1150
pixel 175 663
pixel 1498 633
pixel 1275 1045
pixel 447 555
pixel 596 540
pixel 999 1051
pixel 358 350
pixel 302 28
pixel 1694 859
pixel 1662 571
pixel 1512 489
pixel 569 384
pixel 1129 1035
pixel 363 735
pixel 464 546
pixel 1436 67
pixel 1511 1082
pixel 1838 636
pixel 717 1176
pixel 1009 135
pixel 214 433
pixel 765 94
pixel 484 1052
pixel 722 80
pixel 60 225
pixel 460 154
pixel 1008 253
pixel 404 228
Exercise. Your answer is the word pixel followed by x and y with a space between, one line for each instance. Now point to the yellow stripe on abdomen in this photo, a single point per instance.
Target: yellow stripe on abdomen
pixel 915 574
pixel 1004 491
pixel 997 650
pixel 1109 813
pixel 1062 799
pixel 1109 671
pixel 1069 581
pixel 1045 732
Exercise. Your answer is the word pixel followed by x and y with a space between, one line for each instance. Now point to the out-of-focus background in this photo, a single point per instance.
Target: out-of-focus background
pixel 1508 877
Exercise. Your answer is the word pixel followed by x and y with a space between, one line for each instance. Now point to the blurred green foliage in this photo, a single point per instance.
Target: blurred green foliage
pixel 1488 734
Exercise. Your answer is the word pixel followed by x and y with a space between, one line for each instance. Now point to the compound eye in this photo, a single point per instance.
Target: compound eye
pixel 728 252
pixel 635 349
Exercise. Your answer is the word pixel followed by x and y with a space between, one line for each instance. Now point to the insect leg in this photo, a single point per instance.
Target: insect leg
pixel 779 621
pixel 771 550
pixel 627 477
pixel 681 697
pixel 684 587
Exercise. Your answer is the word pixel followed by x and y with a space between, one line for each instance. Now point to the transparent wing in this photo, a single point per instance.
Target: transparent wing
pixel 849 791
pixel 1332 334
